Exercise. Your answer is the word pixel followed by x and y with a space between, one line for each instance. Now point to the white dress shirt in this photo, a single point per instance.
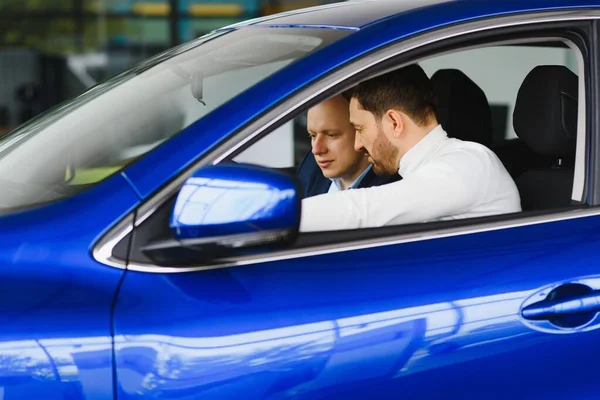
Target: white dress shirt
pixel 443 178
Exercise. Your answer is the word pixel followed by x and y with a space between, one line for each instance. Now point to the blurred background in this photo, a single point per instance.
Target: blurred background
pixel 52 50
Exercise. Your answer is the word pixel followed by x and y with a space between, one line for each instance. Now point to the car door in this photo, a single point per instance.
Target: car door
pixel 415 319
pixel 473 310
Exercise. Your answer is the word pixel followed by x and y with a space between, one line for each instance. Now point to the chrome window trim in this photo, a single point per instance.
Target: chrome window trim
pixel 102 251
pixel 579 175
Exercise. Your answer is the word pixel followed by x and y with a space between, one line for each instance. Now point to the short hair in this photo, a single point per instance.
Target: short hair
pixel 407 89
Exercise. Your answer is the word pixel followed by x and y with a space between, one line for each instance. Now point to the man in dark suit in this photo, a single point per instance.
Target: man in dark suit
pixel 332 164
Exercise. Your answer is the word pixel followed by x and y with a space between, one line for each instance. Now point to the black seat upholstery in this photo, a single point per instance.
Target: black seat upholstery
pixel 517 157
pixel 545 118
pixel 462 107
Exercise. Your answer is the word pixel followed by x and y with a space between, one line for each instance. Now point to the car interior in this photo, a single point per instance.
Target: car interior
pixel 541 160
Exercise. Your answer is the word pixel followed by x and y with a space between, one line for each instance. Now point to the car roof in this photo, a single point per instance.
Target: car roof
pixel 357 14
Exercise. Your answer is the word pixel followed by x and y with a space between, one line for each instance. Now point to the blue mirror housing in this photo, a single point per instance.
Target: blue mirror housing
pixel 236 206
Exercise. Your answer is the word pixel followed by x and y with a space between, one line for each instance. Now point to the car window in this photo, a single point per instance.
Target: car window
pixel 82 142
pixel 492 69
pixel 477 89
pixel 489 67
pixel 289 136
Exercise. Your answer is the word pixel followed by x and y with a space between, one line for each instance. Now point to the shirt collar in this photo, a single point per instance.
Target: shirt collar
pixel 338 182
pixel 421 150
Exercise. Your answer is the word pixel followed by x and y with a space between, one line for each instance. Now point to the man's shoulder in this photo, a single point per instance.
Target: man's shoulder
pixel 308 166
pixel 467 151
pixel 472 162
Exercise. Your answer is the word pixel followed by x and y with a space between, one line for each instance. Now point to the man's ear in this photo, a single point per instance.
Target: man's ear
pixel 397 122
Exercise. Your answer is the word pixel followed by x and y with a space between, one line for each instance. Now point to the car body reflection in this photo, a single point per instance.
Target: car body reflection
pixel 54 368
pixel 275 363
pixel 301 359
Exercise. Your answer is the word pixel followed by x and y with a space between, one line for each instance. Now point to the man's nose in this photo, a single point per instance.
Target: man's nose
pixel 319 146
pixel 358 144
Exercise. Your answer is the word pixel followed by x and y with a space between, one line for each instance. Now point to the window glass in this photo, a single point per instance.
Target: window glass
pixel 290 140
pixel 491 68
pixel 477 90
pixel 496 70
pixel 97 134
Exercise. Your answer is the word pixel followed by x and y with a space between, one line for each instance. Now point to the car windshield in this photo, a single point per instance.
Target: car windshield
pixel 78 144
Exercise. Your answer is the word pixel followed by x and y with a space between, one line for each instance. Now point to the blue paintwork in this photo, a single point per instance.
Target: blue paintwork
pixel 347 14
pixel 55 300
pixel 414 320
pixel 232 199
pixel 361 14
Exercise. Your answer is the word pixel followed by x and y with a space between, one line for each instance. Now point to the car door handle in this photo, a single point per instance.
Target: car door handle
pixel 552 309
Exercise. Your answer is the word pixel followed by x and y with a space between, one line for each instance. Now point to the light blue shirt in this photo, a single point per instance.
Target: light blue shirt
pixel 336 185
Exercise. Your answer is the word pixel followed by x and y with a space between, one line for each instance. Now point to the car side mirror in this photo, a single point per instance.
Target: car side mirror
pixel 227 210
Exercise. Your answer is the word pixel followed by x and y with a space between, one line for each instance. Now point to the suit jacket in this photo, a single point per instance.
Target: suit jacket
pixel 314 183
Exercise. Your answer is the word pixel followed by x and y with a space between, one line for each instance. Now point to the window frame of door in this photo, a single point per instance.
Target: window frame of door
pixel 390 57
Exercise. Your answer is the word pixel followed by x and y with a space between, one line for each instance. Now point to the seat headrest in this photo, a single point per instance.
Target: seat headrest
pixel 462 107
pixel 545 115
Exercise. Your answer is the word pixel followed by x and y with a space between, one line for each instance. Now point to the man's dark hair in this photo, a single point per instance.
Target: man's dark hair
pixel 407 89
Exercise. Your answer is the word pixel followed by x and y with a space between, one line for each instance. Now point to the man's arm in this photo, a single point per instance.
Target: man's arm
pixel 435 191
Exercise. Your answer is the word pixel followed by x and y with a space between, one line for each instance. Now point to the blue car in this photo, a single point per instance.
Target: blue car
pixel 149 228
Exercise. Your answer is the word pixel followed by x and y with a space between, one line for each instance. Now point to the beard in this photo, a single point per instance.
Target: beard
pixel 383 155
